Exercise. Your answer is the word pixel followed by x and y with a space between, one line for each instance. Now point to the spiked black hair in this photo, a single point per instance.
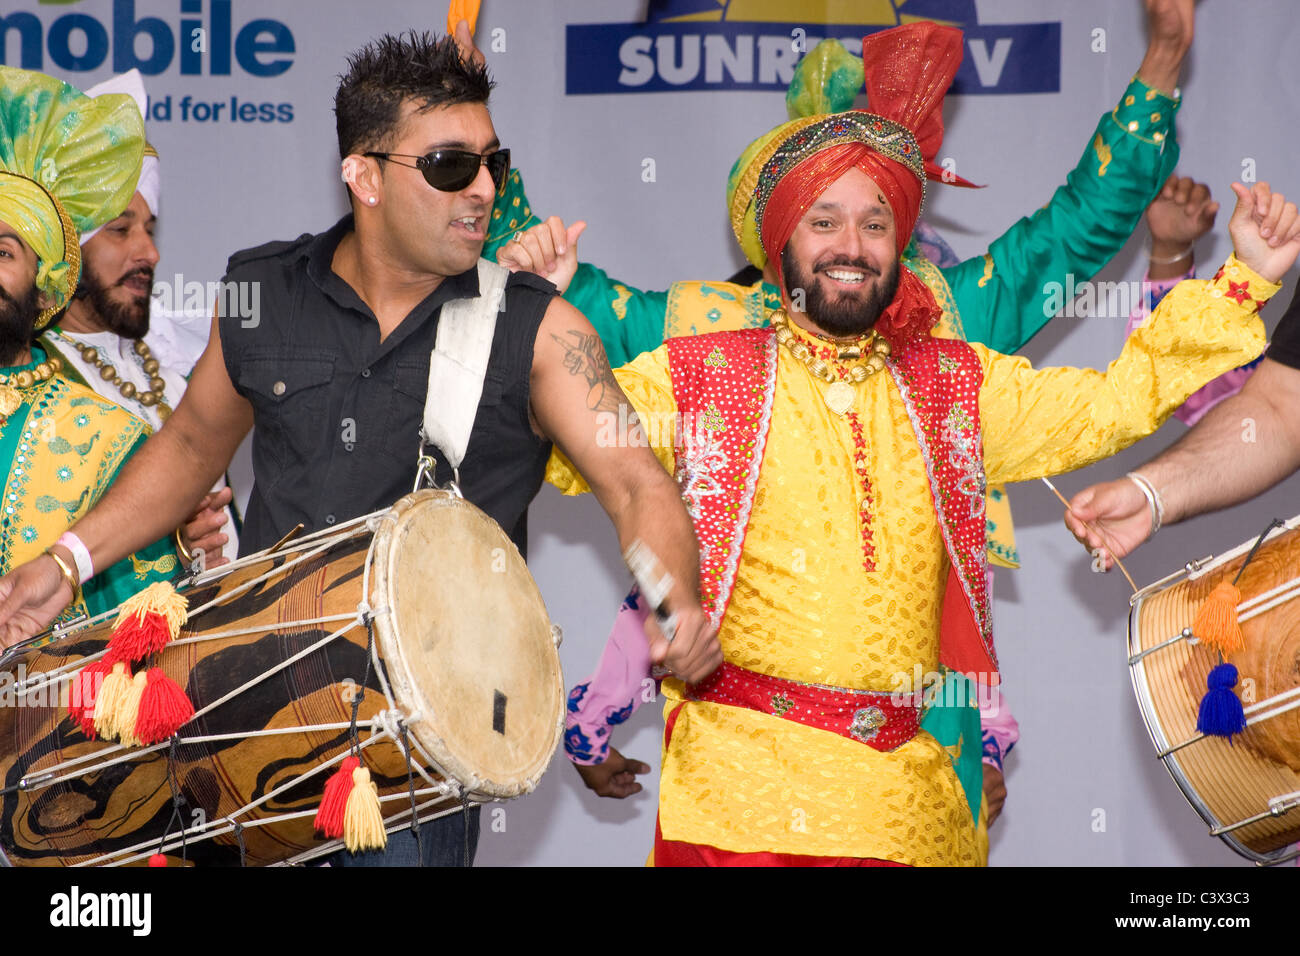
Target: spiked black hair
pixel 392 69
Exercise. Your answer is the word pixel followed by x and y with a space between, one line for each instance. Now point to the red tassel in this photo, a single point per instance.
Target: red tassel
pixel 157 860
pixel 147 621
pixel 334 804
pixel 139 636
pixel 164 708
pixel 83 691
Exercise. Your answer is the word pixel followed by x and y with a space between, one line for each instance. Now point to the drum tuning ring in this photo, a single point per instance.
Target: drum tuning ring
pixel 557 634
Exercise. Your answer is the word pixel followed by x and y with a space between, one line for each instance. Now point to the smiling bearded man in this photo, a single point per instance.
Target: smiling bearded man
pixel 100 338
pixel 835 466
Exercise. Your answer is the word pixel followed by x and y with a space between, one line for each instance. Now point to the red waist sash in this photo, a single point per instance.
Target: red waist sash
pixel 880 720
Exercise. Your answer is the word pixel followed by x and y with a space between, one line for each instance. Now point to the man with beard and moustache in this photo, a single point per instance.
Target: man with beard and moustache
pixel 998 298
pixel 67 163
pixel 101 335
pixel 350 322
pixel 835 465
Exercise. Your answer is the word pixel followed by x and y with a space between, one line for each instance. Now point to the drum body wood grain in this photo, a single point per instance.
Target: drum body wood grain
pixel 461 654
pixel 1248 792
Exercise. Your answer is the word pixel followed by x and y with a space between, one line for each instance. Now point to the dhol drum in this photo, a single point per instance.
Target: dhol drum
pixel 1247 791
pixel 426 613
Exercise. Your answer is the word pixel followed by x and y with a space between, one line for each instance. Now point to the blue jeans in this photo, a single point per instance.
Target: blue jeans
pixel 443 841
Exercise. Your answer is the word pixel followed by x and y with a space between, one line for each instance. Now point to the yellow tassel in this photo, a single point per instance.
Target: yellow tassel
pixel 159 598
pixel 1216 623
pixel 128 709
pixel 117 685
pixel 363 822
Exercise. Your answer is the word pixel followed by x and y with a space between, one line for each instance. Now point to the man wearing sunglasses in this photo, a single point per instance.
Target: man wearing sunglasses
pixel 334 369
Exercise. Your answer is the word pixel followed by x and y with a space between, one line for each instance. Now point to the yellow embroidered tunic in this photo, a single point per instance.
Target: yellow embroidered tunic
pixel 806 609
pixel 60 450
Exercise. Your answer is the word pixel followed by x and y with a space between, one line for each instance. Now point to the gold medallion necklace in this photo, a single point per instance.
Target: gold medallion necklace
pixel 12 385
pixel 839 393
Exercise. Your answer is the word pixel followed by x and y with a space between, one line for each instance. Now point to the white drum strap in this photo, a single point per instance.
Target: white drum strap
pixel 458 363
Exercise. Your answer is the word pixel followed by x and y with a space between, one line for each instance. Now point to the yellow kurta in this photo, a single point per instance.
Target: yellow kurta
pixel 804 608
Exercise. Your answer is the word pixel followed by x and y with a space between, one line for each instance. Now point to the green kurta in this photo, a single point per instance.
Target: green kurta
pixel 61 449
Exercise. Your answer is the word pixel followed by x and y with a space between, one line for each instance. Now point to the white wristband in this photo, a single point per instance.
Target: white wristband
pixel 1154 501
pixel 80 554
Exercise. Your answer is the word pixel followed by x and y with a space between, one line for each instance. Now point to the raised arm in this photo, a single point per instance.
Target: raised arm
pixel 156 491
pixel 1215 465
pixel 1053 420
pixel 579 405
pixel 1005 296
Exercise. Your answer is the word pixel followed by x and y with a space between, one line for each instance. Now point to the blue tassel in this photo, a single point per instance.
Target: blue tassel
pixel 1221 713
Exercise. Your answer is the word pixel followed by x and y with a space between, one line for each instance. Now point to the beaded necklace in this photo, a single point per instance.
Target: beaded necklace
pixel 839 396
pixel 13 384
pixel 109 373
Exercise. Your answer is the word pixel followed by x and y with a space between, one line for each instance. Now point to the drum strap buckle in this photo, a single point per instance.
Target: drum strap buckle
pixel 426 467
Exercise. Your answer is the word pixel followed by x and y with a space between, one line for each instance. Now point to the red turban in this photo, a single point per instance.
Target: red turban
pixel 908 71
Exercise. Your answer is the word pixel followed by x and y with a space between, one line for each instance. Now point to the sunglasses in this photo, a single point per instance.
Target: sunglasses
pixel 451 170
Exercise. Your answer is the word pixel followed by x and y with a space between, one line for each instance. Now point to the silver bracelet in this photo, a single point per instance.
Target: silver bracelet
pixel 1153 498
pixel 1186 253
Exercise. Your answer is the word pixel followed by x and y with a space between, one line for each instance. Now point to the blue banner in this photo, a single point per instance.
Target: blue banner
pixel 674 57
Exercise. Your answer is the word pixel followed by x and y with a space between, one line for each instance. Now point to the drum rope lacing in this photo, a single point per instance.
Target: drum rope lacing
pixel 391 724
pixel 387 725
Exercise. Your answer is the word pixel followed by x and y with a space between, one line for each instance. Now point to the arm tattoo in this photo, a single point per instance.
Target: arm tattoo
pixel 585 356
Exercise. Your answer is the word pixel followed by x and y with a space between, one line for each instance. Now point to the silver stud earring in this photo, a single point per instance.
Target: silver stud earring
pixel 372 200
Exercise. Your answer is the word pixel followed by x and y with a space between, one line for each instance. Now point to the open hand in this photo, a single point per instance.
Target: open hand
pixel 1265 230
pixel 616 777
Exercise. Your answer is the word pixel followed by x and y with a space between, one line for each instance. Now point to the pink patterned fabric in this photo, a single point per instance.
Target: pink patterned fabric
pixel 620 684
pixel 999 728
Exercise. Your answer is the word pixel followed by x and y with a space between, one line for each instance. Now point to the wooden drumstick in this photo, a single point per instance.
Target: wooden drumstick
pixel 1117 561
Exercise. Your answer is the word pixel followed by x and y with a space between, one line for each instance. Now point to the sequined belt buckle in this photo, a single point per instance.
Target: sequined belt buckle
pixel 880 720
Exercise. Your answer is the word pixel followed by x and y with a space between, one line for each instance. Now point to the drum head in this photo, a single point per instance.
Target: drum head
pixel 468 644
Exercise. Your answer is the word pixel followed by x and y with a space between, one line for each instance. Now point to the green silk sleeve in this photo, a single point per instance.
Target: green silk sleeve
pixel 1003 296
pixel 511 213
pixel 628 320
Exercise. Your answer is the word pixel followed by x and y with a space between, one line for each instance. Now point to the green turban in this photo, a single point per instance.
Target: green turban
pixel 68 163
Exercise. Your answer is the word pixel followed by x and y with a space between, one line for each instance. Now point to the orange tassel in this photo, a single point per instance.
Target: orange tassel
pixel 164 708
pixel 83 691
pixel 1216 624
pixel 333 805
pixel 147 622
pixel 466 10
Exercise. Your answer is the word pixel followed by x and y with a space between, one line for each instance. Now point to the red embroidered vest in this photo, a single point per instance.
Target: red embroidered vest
pixel 724 384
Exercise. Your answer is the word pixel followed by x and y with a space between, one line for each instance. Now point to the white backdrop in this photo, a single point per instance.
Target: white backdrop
pixel 1060 629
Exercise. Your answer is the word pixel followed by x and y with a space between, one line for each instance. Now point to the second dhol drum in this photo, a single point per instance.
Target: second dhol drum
pixel 1247 791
